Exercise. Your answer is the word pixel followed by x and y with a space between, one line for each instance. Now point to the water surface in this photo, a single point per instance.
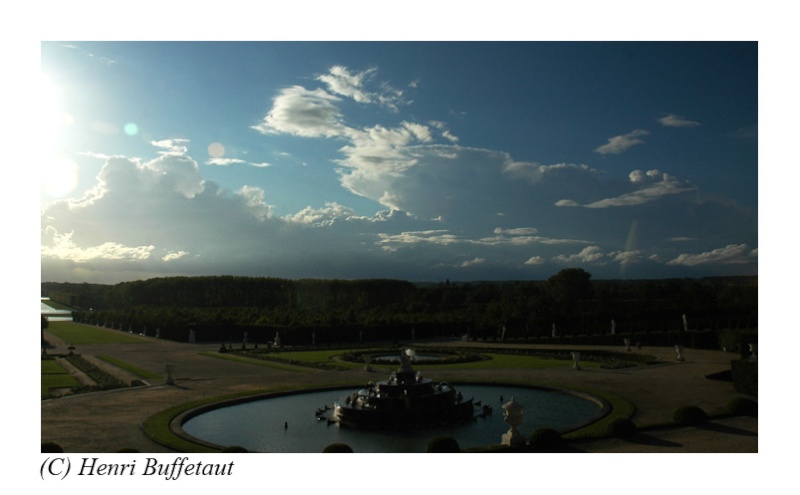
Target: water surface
pixel 288 424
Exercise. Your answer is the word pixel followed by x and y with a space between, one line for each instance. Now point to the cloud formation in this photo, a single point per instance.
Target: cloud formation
pixel 442 208
pixel 618 144
pixel 730 254
pixel 673 120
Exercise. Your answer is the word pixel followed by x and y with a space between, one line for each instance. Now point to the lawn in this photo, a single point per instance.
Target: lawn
pixel 80 334
pixel 495 361
pixel 55 376
pixel 129 367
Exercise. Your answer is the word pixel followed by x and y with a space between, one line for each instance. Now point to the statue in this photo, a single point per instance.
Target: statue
pixel 576 356
pixel 512 415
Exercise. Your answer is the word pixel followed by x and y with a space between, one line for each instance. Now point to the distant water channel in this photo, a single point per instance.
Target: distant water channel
pixel 259 426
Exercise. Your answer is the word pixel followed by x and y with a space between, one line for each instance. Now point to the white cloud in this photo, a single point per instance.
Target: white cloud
pixel 654 185
pixel 618 144
pixel 730 254
pixel 473 262
pixel 516 231
pixel 61 246
pixel 390 242
pixel 589 254
pixel 341 81
pixel 535 261
pixel 625 257
pixel 175 255
pixel 224 162
pixel 322 216
pixel 172 146
pixel 673 120
pixel 303 112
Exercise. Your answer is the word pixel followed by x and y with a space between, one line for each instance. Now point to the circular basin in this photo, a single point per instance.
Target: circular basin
pixel 288 423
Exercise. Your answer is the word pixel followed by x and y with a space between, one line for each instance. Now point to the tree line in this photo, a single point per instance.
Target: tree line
pixel 324 311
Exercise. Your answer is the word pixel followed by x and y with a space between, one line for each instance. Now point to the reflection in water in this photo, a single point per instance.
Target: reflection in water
pixel 289 424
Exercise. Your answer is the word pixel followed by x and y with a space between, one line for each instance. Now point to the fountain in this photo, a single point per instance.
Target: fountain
pixel 405 400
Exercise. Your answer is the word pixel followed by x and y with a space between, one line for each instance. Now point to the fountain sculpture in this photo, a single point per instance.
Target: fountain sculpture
pixel 405 400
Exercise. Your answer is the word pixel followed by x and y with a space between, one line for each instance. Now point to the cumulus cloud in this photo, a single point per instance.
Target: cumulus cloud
pixel 322 216
pixel 174 255
pixel 618 144
pixel 673 120
pixel 589 254
pixel 472 262
pixel 61 246
pixel 172 146
pixel 440 201
pixel 390 242
pixel 535 261
pixel 303 112
pixel 730 254
pixel 652 186
pixel 342 81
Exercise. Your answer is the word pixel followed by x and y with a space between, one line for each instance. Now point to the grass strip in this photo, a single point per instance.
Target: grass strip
pixel 148 375
pixel 80 334
pixel 259 362
pixel 55 376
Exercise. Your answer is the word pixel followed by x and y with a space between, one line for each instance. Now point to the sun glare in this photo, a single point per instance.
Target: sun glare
pixel 59 175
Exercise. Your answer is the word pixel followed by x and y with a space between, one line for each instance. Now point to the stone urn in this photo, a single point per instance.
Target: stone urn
pixel 513 412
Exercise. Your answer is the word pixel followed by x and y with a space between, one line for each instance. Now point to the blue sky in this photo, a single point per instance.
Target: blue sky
pixel 412 160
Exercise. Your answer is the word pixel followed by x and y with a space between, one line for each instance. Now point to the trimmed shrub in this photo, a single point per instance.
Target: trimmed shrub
pixel 234 449
pixel 742 406
pixel 545 440
pixel 51 448
pixel 337 448
pixel 443 445
pixel 690 415
pixel 621 428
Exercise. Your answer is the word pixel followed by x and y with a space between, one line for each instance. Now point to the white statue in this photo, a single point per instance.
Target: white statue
pixel 512 415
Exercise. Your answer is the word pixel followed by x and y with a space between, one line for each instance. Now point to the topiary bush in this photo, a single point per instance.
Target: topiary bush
pixel 545 440
pixel 621 428
pixel 742 406
pixel 443 445
pixel 51 448
pixel 337 448
pixel 690 415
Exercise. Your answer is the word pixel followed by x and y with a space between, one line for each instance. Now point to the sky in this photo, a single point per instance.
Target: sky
pixel 423 161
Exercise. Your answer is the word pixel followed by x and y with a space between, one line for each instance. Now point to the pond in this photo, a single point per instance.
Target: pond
pixel 288 424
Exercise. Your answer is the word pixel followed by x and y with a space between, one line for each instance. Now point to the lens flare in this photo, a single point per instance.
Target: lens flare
pixel 131 129
pixel 216 150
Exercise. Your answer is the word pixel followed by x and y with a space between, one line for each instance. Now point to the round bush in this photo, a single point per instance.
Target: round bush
pixel 742 406
pixel 234 449
pixel 338 448
pixel 621 428
pixel 690 415
pixel 51 448
pixel 545 439
pixel 443 445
